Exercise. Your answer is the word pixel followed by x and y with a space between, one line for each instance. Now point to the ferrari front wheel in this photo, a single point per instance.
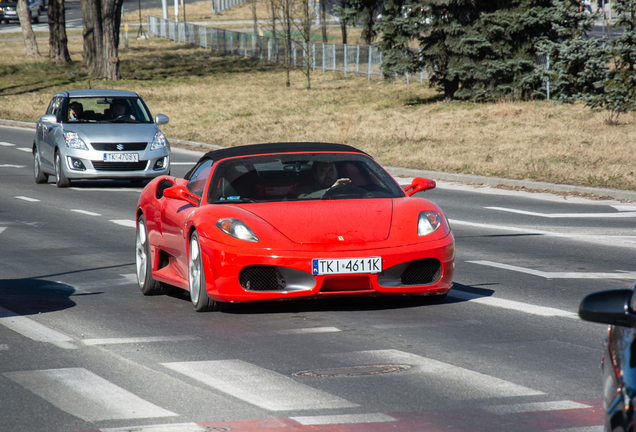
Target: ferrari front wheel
pixel 143 262
pixel 196 278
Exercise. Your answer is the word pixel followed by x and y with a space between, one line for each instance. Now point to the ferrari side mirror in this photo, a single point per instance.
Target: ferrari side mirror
pixel 419 184
pixel 608 307
pixel 182 193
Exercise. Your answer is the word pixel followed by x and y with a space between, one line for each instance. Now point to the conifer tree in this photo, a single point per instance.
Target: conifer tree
pixel 475 49
pixel 619 94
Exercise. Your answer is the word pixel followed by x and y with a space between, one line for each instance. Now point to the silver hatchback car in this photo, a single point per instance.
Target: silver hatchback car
pixel 99 134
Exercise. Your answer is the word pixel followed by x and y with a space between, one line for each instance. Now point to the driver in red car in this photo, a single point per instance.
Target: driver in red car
pixel 325 177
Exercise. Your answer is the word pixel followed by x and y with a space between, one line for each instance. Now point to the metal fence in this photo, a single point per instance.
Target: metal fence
pixel 221 5
pixel 327 57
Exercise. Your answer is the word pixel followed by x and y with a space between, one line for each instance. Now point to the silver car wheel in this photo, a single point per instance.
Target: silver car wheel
pixel 141 258
pixel 194 270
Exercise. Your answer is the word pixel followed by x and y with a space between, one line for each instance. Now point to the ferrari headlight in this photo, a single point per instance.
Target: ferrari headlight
pixel 159 141
pixel 236 228
pixel 73 140
pixel 428 222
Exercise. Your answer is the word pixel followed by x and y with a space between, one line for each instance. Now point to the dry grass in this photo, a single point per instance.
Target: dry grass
pixel 231 100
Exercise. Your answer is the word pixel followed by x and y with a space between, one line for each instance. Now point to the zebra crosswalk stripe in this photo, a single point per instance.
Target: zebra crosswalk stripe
pixel 86 395
pixel 258 386
pixel 453 379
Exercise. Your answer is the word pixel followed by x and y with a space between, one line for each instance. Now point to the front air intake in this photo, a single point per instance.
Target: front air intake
pixel 262 278
pixel 422 272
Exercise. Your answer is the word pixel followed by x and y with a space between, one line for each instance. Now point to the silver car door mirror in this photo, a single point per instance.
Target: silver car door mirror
pixel 161 119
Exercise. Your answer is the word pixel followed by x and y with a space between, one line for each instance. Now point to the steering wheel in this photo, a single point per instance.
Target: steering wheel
pixel 346 189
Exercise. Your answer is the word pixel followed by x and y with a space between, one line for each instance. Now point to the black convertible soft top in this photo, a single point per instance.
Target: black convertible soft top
pixel 271 148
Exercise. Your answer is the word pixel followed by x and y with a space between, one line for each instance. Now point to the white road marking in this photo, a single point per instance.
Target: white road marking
pixel 627 214
pixel 85 395
pixel 34 330
pixel 512 305
pixel 581 429
pixel 586 237
pixel 171 427
pixel 2 229
pixel 25 149
pixel 444 377
pixel 23 198
pixel 103 189
pixel 12 166
pixel 309 330
pixel 127 279
pixel 150 339
pixel 426 324
pixel 86 212
pixel 6 144
pixel 343 419
pixel 626 275
pixel 624 207
pixel 536 407
pixel 125 222
pixel 258 386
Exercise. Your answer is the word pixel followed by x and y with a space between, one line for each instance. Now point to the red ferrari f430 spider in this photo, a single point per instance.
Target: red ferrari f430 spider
pixel 290 221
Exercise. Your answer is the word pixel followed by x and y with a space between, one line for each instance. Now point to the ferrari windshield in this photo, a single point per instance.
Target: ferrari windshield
pixel 107 110
pixel 307 176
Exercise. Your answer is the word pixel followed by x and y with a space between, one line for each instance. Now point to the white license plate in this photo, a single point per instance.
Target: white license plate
pixel 346 266
pixel 121 157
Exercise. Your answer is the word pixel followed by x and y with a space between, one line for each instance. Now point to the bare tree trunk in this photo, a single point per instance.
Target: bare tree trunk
pixel 274 4
pixel 91 34
pixel 58 42
pixel 254 17
pixel 25 22
pixel 111 14
pixel 307 19
pixel 288 41
pixel 323 19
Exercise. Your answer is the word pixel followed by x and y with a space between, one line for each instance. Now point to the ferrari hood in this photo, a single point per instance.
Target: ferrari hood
pixel 337 221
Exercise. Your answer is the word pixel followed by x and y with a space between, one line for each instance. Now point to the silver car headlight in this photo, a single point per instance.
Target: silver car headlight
pixel 428 222
pixel 73 140
pixel 159 141
pixel 237 229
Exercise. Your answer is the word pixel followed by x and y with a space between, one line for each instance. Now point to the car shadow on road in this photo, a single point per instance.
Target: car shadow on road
pixel 30 296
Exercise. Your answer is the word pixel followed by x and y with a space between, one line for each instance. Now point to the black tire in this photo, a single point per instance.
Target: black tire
pixel 143 264
pixel 40 177
pixel 196 278
pixel 60 178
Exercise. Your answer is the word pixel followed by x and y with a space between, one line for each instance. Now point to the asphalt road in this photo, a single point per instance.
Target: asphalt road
pixel 82 349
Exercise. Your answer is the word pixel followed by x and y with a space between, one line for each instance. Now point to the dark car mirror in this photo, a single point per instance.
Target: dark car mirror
pixel 161 119
pixel 182 193
pixel 419 184
pixel 609 307
pixel 48 119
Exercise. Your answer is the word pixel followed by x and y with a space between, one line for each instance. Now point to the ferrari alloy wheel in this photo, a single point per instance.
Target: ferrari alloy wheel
pixel 60 178
pixel 196 277
pixel 40 177
pixel 147 284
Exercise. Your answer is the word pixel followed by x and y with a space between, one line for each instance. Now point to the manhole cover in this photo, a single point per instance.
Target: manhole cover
pixel 352 371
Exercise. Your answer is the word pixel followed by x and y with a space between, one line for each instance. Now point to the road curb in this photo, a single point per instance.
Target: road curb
pixel 435 175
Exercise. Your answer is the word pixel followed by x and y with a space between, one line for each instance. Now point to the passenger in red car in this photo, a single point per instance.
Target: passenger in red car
pixel 325 177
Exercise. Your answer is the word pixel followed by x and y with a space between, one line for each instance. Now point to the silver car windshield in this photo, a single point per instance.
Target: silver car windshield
pixel 107 110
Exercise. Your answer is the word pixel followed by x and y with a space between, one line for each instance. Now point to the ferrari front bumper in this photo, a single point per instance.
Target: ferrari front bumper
pixel 229 275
